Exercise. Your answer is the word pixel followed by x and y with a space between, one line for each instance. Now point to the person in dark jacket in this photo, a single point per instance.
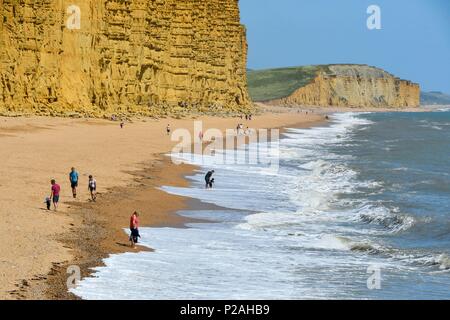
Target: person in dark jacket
pixel 208 181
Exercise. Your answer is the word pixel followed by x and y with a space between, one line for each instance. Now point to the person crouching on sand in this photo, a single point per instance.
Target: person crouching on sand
pixel 208 177
pixel 55 190
pixel 134 228
pixel 92 187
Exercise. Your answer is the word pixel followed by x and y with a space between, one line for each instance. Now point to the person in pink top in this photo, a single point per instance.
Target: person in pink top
pixel 56 189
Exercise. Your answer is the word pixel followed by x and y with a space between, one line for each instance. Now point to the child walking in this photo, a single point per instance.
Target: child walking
pixel 92 187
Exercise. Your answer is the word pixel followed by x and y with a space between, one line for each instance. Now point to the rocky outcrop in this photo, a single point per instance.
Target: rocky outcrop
pixel 152 57
pixel 354 86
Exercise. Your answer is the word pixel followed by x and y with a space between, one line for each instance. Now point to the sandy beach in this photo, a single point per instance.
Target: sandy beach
pixel 128 164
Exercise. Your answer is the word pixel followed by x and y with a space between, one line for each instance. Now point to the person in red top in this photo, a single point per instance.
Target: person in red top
pixel 134 228
pixel 56 189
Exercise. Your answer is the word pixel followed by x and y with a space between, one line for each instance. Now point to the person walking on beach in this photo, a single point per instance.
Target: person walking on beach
pixel 238 129
pixel 134 228
pixel 92 187
pixel 73 177
pixel 208 176
pixel 168 129
pixel 55 190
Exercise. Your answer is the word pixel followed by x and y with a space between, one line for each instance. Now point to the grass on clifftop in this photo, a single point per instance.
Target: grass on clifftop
pixel 264 85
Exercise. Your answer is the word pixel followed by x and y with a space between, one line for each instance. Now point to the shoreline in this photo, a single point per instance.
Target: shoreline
pixel 92 245
pixel 239 250
pixel 329 110
pixel 89 246
pixel 171 214
pixel 56 283
pixel 123 161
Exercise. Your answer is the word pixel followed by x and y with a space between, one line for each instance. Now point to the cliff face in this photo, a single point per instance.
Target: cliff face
pixel 352 86
pixel 131 56
pixel 333 85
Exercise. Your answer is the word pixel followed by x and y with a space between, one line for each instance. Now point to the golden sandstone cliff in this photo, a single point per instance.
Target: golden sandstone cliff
pixel 152 57
pixel 335 85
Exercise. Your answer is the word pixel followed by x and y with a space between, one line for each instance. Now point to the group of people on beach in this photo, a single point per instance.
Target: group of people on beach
pixel 240 130
pixel 92 187
pixel 73 178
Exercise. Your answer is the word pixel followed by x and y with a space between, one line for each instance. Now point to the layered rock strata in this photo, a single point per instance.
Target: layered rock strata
pixel 355 86
pixel 98 57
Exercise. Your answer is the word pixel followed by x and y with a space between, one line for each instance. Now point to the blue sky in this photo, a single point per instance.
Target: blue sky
pixel 414 42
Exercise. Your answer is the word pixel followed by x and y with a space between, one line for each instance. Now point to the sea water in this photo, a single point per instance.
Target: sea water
pixel 357 209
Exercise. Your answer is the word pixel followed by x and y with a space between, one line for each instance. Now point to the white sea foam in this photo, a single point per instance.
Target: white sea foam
pixel 288 236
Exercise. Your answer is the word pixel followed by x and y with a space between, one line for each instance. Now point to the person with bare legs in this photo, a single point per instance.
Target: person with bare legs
pixel 73 177
pixel 134 228
pixel 92 187
pixel 55 190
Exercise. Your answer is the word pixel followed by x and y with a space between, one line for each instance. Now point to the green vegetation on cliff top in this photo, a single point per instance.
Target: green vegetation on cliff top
pixel 264 85
pixel 271 84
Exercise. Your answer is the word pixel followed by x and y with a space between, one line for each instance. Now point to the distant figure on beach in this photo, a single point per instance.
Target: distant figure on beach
pixel 73 177
pixel 200 135
pixel 239 128
pixel 168 129
pixel 208 181
pixel 122 124
pixel 134 228
pixel 92 187
pixel 48 202
pixel 55 190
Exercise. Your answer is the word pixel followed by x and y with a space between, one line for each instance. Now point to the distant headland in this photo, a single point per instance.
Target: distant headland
pixel 341 85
